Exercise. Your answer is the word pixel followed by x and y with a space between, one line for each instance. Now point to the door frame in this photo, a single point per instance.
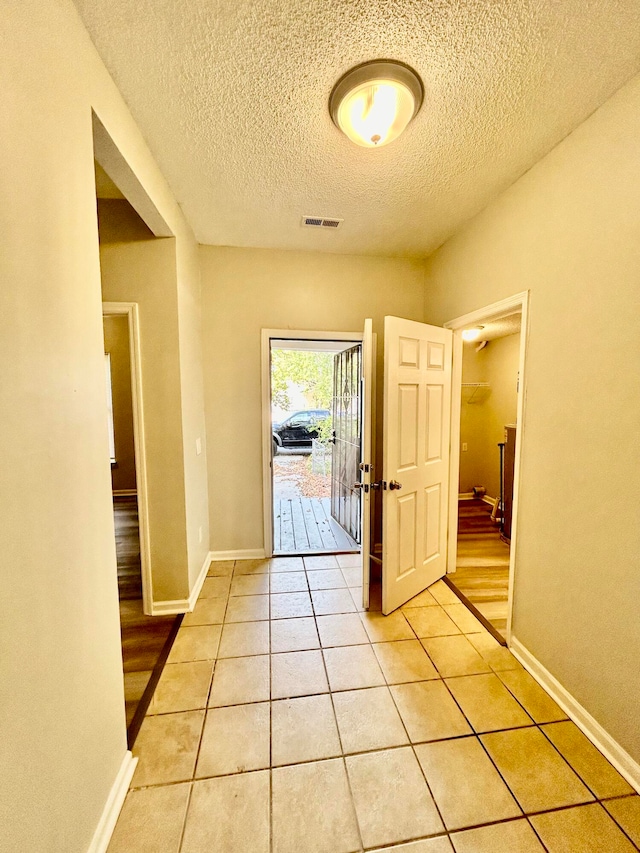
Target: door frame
pixel 493 312
pixel 130 310
pixel 267 335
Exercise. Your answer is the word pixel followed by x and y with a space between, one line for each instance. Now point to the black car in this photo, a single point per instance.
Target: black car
pixel 298 429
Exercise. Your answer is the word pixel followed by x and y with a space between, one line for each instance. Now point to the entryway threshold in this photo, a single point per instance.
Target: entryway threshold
pixel 463 598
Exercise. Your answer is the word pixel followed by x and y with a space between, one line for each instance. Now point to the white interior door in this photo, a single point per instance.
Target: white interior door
pixel 366 402
pixel 417 415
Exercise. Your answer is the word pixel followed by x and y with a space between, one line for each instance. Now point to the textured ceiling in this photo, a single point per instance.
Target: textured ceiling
pixel 232 95
pixel 501 327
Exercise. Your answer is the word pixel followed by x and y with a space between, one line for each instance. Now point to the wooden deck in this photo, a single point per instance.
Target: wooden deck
pixel 305 526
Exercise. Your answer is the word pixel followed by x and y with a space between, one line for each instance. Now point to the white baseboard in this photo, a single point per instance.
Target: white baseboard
pixel 183 605
pixel 115 801
pixel 197 587
pixel 124 493
pixel 611 749
pixel 469 496
pixel 246 554
pixel 170 607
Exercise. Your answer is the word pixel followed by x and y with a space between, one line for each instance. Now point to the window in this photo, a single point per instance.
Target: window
pixel 112 435
pixel 300 420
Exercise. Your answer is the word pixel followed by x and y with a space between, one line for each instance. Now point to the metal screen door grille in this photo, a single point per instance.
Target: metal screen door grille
pixel 345 500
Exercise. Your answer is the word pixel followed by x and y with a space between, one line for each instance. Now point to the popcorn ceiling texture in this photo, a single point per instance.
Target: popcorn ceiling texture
pixel 232 97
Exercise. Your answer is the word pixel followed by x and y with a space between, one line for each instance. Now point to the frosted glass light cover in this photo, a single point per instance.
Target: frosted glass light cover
pixel 376 112
pixel 472 334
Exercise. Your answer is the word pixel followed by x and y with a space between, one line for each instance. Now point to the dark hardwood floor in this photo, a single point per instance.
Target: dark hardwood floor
pixel 482 565
pixel 144 638
pixel 125 511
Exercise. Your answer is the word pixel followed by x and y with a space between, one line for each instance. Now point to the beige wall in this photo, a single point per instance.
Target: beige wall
pixel 116 343
pixel 485 412
pixel 246 290
pixel 190 337
pixel 145 272
pixel 61 688
pixel 569 231
pixel 118 222
pixel 175 417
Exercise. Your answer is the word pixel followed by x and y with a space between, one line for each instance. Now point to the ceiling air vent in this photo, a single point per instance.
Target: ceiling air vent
pixel 321 222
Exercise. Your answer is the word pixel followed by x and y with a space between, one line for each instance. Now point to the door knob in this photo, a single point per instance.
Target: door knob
pixel 394 484
pixel 357 485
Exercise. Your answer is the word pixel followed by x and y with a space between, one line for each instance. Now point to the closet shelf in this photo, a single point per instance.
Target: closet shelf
pixel 477 387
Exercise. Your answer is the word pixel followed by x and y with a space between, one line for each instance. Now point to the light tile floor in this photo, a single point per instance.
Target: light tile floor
pixel 289 721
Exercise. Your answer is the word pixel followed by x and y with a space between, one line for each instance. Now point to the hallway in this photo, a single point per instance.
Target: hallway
pixel 287 720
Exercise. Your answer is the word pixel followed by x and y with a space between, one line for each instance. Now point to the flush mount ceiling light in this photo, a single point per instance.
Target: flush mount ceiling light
pixel 374 102
pixel 472 334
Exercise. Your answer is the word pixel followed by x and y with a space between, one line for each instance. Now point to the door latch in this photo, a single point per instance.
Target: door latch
pixel 363 486
pixel 380 485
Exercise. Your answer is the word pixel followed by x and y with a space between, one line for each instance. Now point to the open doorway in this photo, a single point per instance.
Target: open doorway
pixel 316 429
pixel 491 350
pixel 146 640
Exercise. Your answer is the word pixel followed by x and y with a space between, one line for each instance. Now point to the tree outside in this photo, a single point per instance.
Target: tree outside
pixel 301 379
pixel 310 374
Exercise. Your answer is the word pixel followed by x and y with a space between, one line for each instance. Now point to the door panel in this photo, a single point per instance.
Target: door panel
pixel 432 505
pixel 408 396
pixel 406 510
pixel 417 402
pixel 435 394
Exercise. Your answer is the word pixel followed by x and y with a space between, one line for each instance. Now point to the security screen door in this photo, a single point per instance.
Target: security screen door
pixel 347 436
pixel 352 449
pixel 417 417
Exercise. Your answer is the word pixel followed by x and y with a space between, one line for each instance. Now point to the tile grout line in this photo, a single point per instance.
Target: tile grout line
pixel 474 733
pixel 335 720
pixel 355 754
pixel 417 760
pixel 618 824
pixel 596 798
pixel 270 726
pixel 184 819
pixel 204 722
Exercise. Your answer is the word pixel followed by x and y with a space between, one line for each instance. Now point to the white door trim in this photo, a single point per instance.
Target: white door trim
pixel 130 310
pixel 267 336
pixel 494 311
